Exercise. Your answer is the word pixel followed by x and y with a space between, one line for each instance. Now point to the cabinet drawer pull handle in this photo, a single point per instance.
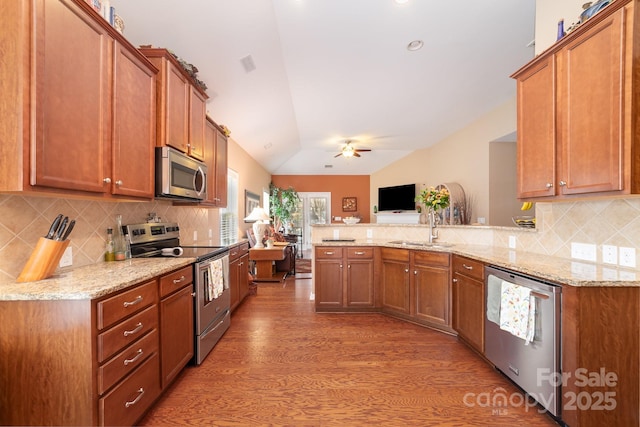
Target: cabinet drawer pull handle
pixel 455 280
pixel 134 401
pixel 133 331
pixel 119 182
pixel 349 266
pixel 134 358
pixel 563 183
pixel 176 281
pixel 406 270
pixel 415 272
pixel 328 253
pixel 340 265
pixel 468 267
pixel 138 300
pixel 359 253
pixel 107 180
pixel 549 185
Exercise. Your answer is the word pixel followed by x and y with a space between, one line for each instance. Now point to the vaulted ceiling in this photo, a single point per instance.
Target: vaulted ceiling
pixel 294 79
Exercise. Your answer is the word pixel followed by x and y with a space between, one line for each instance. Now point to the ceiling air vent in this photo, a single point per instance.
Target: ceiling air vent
pixel 248 64
pixel 328 166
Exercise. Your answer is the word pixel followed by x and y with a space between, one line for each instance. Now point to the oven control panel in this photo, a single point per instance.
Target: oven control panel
pixel 152 231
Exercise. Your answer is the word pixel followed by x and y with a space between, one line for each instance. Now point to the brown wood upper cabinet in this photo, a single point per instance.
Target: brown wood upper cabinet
pixel 216 160
pixel 575 103
pixel 89 104
pixel 181 108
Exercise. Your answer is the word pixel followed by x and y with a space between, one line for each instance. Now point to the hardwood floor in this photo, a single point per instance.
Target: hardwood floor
pixel 281 364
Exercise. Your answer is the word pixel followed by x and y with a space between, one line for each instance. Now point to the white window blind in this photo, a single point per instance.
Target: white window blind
pixel 229 215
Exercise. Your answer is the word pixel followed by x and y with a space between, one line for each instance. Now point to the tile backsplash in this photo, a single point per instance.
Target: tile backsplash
pixel 23 219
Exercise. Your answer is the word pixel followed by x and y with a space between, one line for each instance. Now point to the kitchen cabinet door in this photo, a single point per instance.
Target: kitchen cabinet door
pixel 134 126
pixel 243 283
pixel 468 301
pixel 590 74
pixel 359 286
pixel 176 113
pixel 431 289
pixel 220 195
pixel 197 124
pixel 395 284
pixel 328 278
pixel 72 60
pixel 536 148
pixel 176 333
pixel 216 160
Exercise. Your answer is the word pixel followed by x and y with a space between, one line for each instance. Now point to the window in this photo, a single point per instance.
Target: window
pixel 229 215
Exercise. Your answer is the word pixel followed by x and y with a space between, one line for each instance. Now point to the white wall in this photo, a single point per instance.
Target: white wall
pixel 462 157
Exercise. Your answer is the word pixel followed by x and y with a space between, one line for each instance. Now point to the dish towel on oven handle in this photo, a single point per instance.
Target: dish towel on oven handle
pixel 518 311
pixel 216 279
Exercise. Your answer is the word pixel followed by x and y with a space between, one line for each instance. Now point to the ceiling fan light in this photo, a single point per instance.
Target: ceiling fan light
pixel 348 150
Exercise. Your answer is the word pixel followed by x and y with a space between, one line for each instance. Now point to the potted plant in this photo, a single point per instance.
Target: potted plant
pixel 282 205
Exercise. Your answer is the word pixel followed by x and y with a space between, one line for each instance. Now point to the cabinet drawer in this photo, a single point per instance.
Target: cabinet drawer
pixel 390 254
pixel 128 360
pixel 129 400
pixel 176 280
pixel 439 259
pixel 126 333
pixel 328 253
pixel 359 253
pixel 468 267
pixel 116 308
pixel 237 251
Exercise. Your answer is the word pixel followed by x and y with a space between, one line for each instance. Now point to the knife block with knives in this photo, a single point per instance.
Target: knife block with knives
pixel 43 260
pixel 48 251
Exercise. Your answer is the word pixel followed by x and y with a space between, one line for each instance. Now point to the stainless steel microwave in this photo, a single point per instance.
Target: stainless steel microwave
pixel 179 176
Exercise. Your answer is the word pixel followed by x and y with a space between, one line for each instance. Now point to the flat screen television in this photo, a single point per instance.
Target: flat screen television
pixel 397 198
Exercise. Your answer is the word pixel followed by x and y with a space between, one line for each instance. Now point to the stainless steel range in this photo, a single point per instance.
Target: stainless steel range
pixel 210 273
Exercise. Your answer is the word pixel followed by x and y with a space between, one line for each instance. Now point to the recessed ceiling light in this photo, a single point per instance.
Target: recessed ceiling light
pixel 268 145
pixel 415 45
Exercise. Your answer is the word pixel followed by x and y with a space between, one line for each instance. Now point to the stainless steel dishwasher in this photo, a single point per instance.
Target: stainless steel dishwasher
pixel 534 366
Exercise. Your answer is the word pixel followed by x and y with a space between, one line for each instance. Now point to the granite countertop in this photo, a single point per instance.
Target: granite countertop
pixel 92 281
pixel 554 269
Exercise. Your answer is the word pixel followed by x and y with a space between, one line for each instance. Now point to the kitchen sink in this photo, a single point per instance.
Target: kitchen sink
pixel 419 243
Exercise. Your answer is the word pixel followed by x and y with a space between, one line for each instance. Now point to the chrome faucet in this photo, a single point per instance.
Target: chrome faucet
pixel 433 232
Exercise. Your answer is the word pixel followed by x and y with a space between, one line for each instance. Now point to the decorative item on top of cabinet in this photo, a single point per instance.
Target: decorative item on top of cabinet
pixel 344 279
pixel 67 97
pixel 181 109
pixel 575 106
pixel 468 301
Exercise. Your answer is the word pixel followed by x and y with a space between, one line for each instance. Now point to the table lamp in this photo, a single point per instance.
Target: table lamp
pixel 259 226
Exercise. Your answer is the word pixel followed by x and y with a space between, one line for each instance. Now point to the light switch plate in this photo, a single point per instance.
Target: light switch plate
pixel 583 251
pixel 369 233
pixel 609 254
pixel 336 234
pixel 512 242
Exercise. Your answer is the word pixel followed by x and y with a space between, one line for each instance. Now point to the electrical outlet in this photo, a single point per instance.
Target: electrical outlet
pixel 369 233
pixel 609 254
pixel 210 233
pixel 583 251
pixel 338 218
pixel 481 220
pixel 67 258
pixel 628 257
pixel 512 242
pixel 336 234
pixel 195 235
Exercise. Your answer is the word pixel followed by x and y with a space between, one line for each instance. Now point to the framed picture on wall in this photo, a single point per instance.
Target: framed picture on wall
pixel 251 201
pixel 349 204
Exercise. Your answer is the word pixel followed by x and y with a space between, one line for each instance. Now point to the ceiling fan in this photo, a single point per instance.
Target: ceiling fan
pixel 350 151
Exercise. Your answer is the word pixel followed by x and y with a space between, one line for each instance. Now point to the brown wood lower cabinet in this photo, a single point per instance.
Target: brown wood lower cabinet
pixel 238 273
pixel 416 286
pixel 468 301
pixel 94 362
pixel 176 323
pixel 344 279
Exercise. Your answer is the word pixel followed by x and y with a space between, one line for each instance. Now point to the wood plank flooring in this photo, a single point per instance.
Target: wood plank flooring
pixel 281 364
